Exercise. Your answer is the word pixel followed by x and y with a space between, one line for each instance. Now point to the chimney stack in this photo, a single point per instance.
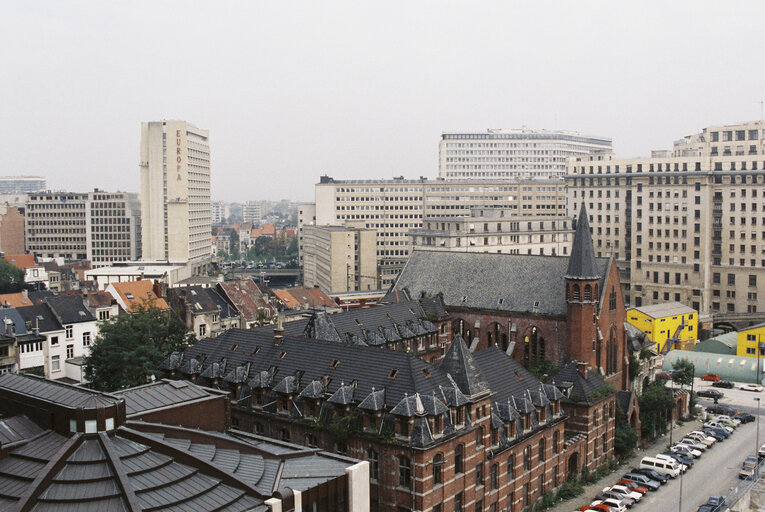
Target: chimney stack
pixel 278 331
pixel 582 367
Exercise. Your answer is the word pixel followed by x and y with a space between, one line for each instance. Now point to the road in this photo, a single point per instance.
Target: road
pixel 715 472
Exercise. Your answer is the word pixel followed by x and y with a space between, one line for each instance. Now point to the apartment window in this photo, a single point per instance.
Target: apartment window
pixel 54 340
pixel 103 315
pixel 458 498
pixel 404 471
pixel 752 280
pixel 202 330
pixel 716 278
pixel 731 279
pixel 374 463
pixel 55 363
pixel 438 463
pixel 69 332
pixel 69 351
pixel 86 339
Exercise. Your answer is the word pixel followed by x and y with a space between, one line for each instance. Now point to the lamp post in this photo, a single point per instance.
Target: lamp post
pixel 757 440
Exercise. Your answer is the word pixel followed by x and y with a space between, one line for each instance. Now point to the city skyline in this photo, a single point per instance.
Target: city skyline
pixel 356 91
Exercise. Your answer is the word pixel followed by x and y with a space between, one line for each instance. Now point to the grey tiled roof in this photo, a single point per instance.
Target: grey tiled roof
pixel 582 389
pixel 41 317
pixel 52 391
pixel 582 264
pixel 495 282
pixel 17 428
pixel 162 393
pixel 460 365
pixel 69 309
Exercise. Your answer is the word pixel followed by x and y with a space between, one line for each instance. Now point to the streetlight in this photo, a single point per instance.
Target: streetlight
pixel 757 440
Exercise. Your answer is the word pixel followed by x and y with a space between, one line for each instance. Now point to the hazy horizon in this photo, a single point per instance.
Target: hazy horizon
pixel 357 90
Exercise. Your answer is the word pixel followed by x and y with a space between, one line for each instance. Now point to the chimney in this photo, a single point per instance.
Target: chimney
pixel 582 367
pixel 278 331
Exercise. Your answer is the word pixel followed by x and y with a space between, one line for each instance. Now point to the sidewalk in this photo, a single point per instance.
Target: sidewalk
pixel 659 445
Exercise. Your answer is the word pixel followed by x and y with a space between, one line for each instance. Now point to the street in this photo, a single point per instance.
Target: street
pixel 715 472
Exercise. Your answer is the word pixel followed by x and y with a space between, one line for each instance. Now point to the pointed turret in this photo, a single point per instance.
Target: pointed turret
pixel 581 263
pixel 459 363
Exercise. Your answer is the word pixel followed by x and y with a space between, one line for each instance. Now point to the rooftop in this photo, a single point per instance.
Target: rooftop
pixel 665 309
pixel 21 261
pixel 163 393
pixel 32 386
pixel 135 294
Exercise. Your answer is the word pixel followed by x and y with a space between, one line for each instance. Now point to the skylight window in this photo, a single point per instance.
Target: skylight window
pixel 393 373
pixel 129 296
pixel 282 354
pixel 233 347
pixel 334 363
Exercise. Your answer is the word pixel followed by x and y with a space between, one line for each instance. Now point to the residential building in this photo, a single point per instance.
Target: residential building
pixel 30 343
pixel 157 456
pixel 203 310
pixel 34 273
pixel 113 227
pixel 512 153
pixel 684 225
pixel 304 298
pixel 9 354
pixel 495 230
pixel 175 193
pixel 669 325
pixel 535 308
pixel 134 295
pixel 11 229
pixel 102 305
pixel 251 212
pixel 394 207
pixel 56 225
pixel 47 352
pixel 22 184
pixel 15 300
pixel 220 211
pixel 340 259
pixel 80 330
pixel 306 217
pixel 249 300
pixel 475 432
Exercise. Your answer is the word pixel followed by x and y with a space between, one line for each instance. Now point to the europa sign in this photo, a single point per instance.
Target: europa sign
pixel 178 153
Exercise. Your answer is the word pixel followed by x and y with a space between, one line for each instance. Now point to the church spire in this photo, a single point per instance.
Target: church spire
pixel 581 263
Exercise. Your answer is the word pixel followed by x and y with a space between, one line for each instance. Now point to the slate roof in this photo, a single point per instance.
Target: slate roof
pixel 17 428
pixel 506 376
pixel 52 391
pixel 581 389
pixel 69 309
pixel 40 317
pixel 245 296
pixel 582 263
pixel 163 393
pixel 376 325
pixel 13 323
pixel 517 283
pixel 460 364
pixel 205 300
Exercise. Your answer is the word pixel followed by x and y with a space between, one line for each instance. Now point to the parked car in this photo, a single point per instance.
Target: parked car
pixel 716 502
pixel 721 409
pixel 747 467
pixel 627 492
pixel 717 433
pixel 723 384
pixel 717 424
pixel 685 450
pixel 684 462
pixel 692 444
pixel 650 474
pixel 750 387
pixel 643 480
pixel 632 486
pixel 710 393
pixel 612 504
pixel 761 452
pixel 702 508
pixel 702 438
pixel 598 507
pixel 711 377
pixel 723 420
pixel 663 467
pixel 745 417
pixel 733 419
pixel 618 498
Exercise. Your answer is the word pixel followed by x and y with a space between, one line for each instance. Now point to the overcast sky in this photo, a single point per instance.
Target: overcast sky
pixel 293 90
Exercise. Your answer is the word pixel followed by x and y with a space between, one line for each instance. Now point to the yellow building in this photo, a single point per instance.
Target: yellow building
pixel 748 338
pixel 670 320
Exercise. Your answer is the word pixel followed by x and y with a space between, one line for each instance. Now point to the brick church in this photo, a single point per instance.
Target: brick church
pixel 533 307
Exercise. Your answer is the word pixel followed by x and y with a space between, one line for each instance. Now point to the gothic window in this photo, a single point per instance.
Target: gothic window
pixel 576 292
pixel 587 292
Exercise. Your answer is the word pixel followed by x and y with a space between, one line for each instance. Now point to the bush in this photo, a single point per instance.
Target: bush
pixel 570 489
pixel 625 440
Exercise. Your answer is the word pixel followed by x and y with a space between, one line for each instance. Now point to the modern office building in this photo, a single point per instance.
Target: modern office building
pixel 340 259
pixel 495 230
pixel 252 212
pixel 306 217
pixel 175 193
pixel 393 207
pixel 685 225
pixel 516 153
pixel 113 227
pixel 22 184
pixel 55 225
pixel 104 227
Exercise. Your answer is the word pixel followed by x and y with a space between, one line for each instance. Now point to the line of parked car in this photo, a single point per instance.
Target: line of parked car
pixel 653 472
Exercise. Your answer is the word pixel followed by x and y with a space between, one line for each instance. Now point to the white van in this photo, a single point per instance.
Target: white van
pixel 667 458
pixel 663 467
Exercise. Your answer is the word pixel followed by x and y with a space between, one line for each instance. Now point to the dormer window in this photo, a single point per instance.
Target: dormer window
pixel 392 374
pixel 334 363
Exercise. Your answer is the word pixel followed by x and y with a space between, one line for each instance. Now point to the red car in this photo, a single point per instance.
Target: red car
pixel 711 377
pixel 632 486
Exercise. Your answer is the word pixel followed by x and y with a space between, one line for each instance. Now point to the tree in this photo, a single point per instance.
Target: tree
pixel 655 403
pixel 10 275
pixel 130 347
pixel 682 372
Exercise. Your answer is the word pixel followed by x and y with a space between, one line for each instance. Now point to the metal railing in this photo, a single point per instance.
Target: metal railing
pixel 745 487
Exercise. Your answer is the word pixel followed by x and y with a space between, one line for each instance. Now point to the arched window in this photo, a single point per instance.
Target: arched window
pixel 438 463
pixel 568 292
pixel 587 292
pixel 527 458
pixel 556 438
pixel 576 292
pixel 541 450
pixel 458 468
pixel 534 346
